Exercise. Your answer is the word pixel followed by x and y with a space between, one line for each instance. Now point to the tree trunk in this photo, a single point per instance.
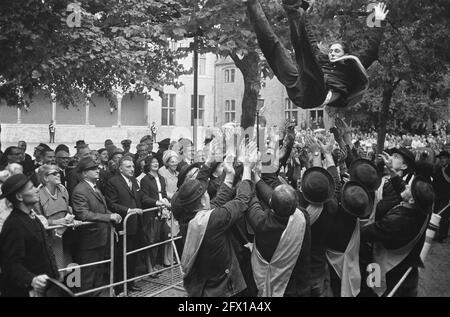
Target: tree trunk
pixel 388 90
pixel 249 66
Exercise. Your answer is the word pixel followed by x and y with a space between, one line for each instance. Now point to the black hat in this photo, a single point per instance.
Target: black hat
pixel 317 185
pixel 108 142
pixel 443 154
pixel 189 193
pixel 126 142
pixel 80 143
pixel 408 156
pixel 423 193
pixel 13 184
pixel 366 173
pixel 355 199
pixel 164 143
pixel 184 171
pixel 86 164
pixel 57 289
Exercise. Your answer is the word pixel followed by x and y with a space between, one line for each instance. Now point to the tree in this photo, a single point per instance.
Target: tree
pixel 118 44
pixel 224 29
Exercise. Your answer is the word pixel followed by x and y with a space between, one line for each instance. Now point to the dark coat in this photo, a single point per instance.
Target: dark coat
pixel 216 271
pixel 396 229
pixel 25 253
pixel 120 198
pixel 322 228
pixel 268 229
pixel 73 178
pixel 89 205
pixel 392 190
pixel 150 188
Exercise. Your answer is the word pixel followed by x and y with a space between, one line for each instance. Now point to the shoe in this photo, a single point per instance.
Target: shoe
pixel 134 288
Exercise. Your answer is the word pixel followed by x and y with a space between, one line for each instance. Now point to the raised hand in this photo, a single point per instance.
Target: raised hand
pixel 380 11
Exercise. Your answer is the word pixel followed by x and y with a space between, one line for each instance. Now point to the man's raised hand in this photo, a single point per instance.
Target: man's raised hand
pixel 380 11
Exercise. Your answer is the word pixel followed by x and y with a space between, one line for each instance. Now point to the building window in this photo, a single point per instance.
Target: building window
pixel 316 119
pixel 202 65
pixel 200 108
pixel 230 110
pixel 290 111
pixel 229 75
pixel 168 109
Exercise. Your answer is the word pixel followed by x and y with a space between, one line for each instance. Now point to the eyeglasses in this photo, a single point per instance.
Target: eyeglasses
pixel 53 173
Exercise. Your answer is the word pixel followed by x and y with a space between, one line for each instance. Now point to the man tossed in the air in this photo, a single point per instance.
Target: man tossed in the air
pixel 315 79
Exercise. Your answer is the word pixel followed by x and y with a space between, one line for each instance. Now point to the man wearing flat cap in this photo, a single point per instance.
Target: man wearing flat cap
pixel 90 205
pixel 26 257
pixel 209 260
pixel 399 236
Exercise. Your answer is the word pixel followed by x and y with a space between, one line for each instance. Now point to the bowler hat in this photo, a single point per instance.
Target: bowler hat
pixel 317 185
pixel 355 199
pixel 423 193
pixel 366 173
pixel 86 164
pixel 13 184
pixel 185 170
pixel 80 143
pixel 408 156
pixel 189 193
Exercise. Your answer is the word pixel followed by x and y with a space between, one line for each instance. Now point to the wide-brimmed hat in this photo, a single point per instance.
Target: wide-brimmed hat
pixel 80 143
pixel 317 185
pixel 87 164
pixel 185 170
pixel 408 156
pixel 355 199
pixel 189 193
pixel 366 173
pixel 13 184
pixel 423 193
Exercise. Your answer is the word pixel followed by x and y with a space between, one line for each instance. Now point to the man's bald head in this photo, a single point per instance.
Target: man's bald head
pixel 284 200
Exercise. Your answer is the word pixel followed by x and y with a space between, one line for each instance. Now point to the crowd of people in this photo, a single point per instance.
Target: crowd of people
pixel 303 214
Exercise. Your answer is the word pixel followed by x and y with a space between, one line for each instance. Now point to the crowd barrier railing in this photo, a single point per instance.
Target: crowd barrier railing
pixel 126 253
pixel 79 267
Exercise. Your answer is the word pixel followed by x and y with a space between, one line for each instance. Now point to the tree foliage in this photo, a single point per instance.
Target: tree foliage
pixel 119 44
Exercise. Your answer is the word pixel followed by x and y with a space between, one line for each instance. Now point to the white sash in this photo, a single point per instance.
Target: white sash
pixel 272 278
pixel 346 265
pixel 195 234
pixel 388 259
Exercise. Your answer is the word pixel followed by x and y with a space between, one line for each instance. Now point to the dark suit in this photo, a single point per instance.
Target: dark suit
pixel 63 174
pixel 151 223
pixel 25 253
pixel 120 198
pixel 73 179
pixel 90 205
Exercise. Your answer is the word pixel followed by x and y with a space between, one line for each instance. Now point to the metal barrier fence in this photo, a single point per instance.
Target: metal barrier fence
pixel 126 253
pixel 110 260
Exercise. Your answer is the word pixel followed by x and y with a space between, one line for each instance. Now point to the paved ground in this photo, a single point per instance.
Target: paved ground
pixel 435 278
